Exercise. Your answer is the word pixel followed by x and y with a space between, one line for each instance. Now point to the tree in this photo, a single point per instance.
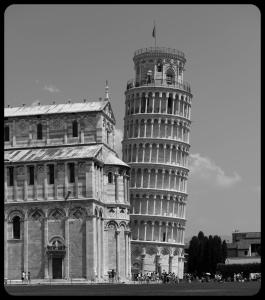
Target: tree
pixel 224 251
pixel 205 253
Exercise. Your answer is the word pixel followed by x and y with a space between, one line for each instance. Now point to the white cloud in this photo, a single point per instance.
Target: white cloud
pixel 51 88
pixel 207 170
pixel 118 140
pixel 36 102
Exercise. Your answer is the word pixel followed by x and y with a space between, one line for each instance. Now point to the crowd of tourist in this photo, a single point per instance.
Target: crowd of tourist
pixel 171 277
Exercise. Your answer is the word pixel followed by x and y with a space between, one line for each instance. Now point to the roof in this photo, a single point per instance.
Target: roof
pixel 111 159
pixel 54 109
pixel 243 260
pixel 48 154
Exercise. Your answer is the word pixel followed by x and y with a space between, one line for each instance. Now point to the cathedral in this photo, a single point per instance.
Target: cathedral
pixel 66 193
pixel 73 208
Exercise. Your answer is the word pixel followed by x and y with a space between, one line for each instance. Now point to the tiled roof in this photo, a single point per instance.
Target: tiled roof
pixel 111 159
pixel 48 154
pixel 54 109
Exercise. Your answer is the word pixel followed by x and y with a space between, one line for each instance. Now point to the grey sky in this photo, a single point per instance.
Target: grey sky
pixel 61 52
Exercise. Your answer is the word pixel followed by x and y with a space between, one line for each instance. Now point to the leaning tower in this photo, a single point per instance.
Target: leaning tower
pixel 156 146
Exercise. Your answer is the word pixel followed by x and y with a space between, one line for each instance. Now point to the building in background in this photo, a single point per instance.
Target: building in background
pixel 66 193
pixel 245 248
pixel 156 146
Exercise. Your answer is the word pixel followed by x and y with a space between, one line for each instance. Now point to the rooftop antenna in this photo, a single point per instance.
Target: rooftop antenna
pixel 107 91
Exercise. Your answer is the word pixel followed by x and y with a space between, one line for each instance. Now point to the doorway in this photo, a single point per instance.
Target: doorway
pixel 57 267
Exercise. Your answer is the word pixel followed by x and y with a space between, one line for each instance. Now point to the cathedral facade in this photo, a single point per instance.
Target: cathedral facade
pixel 66 193
pixel 156 146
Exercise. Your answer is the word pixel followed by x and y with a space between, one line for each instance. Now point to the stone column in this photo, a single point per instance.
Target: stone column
pixel 156 172
pixel 154 208
pixel 159 231
pixel 142 177
pixel 5 249
pixel 98 248
pixel 172 128
pixel 153 102
pixel 133 207
pixel 168 199
pixel 5 183
pixel 67 244
pixel 91 255
pixel 145 223
pixel 145 122
pixel 25 183
pixel 161 206
pixel 137 150
pixel 140 206
pixel 116 187
pixel 47 133
pixel 157 153
pixel 160 100
pixel 15 184
pixel 166 231
pixel 150 152
pixel 129 255
pixel 164 161
pixel 76 179
pixel 152 234
pixel 178 97
pixel 65 131
pixel 126 252
pixel 159 127
pixel 117 254
pixel 45 243
pixel 25 245
pixel 143 260
pixel 143 157
pixel 163 175
pixel 170 154
pixel 14 133
pixel 138 230
pixel 149 174
pixel 170 263
pixel 174 203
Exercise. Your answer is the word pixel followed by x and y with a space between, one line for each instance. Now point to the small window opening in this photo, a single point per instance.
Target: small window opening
pixel 31 175
pixel 16 227
pixel 39 132
pixel 75 128
pixel 169 105
pixel 10 176
pixel 110 179
pixel 6 134
pixel 164 237
pixel 71 167
pixel 51 174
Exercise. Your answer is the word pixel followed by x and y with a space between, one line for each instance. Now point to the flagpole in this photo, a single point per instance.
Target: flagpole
pixel 155 33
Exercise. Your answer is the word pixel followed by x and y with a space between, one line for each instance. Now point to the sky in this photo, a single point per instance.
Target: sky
pixel 62 52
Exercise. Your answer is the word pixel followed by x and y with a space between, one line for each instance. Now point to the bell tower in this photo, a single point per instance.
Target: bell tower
pixel 156 147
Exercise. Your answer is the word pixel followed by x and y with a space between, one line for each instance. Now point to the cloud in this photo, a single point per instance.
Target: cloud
pixel 51 88
pixel 118 140
pixel 207 170
pixel 36 102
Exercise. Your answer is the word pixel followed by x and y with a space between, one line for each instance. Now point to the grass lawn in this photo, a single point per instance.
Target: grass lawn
pixel 182 289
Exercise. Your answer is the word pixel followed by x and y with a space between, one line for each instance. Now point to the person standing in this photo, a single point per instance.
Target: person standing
pixel 23 274
pixel 29 277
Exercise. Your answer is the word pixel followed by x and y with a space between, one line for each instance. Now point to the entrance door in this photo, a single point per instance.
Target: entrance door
pixel 57 268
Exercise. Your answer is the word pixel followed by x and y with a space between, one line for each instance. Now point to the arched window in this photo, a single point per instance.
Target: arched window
pixel 75 128
pixel 39 132
pixel 159 66
pixel 169 105
pixel 170 76
pixel 6 134
pixel 110 177
pixel 16 227
pixel 143 101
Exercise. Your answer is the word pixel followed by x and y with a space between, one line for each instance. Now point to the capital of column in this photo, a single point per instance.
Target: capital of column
pixel 117 231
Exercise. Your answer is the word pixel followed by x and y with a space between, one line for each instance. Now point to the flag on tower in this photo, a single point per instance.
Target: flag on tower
pixel 154 32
